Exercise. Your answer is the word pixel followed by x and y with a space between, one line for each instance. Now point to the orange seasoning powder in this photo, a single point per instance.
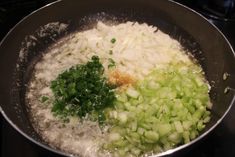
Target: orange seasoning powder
pixel 120 79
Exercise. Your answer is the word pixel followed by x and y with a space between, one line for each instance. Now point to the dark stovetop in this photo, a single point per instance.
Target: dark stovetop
pixel 221 142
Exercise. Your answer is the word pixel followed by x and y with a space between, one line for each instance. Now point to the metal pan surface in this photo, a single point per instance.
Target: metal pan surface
pixel 32 35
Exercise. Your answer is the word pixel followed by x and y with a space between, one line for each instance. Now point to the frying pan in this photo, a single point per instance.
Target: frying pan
pixel 29 39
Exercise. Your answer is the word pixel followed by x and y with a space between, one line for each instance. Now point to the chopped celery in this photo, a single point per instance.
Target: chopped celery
pixel 187 125
pixel 166 109
pixel 141 131
pixel 114 136
pixel 178 126
pixel 136 151
pixel 164 129
pixel 152 136
pixel 186 137
pixel 132 93
pixel 122 117
pixel 175 137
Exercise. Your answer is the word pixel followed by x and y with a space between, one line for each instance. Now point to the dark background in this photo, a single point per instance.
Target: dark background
pixel 221 142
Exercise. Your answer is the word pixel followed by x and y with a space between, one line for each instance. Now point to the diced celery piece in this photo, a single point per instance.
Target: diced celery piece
pixel 191 108
pixel 164 129
pixel 182 114
pixel 135 137
pixel 113 114
pixel 148 92
pixel 122 117
pixel 175 137
pixel 152 136
pixel 129 154
pixel 186 125
pixel 206 120
pixel 206 114
pixel 131 92
pixel 178 105
pixel 145 126
pixel 129 139
pixel 118 129
pixel 198 114
pixel 121 152
pixel 186 137
pixel 153 85
pixel 122 97
pixel 133 125
pixel 199 82
pixel 136 151
pixel 157 149
pixel 193 134
pixel 178 126
pixel 152 119
pixel 166 143
pixel 129 106
pixel 200 125
pixel 209 105
pixel 141 131
pixel 140 99
pixel 167 146
pixel 114 136
pixel 120 143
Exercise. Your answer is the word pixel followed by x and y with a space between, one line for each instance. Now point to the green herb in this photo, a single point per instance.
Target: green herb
pixel 113 40
pixel 82 90
pixel 111 63
pixel 44 99
pixel 101 117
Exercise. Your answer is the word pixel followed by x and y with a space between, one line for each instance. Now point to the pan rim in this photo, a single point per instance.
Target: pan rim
pixel 168 152
pixel 1 110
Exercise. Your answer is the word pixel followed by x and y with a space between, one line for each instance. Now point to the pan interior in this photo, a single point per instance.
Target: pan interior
pixel 215 57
